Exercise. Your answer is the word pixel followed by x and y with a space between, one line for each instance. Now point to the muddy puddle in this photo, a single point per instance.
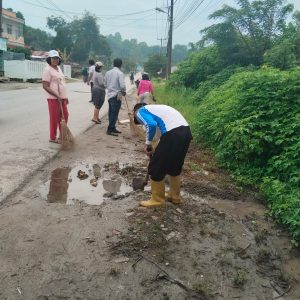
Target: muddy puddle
pixel 87 183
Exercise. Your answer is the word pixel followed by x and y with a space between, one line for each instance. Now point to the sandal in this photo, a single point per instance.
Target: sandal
pixel 56 141
pixel 96 121
pixel 99 121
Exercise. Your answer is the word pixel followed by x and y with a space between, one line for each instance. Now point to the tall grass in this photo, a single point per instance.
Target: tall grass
pixel 179 98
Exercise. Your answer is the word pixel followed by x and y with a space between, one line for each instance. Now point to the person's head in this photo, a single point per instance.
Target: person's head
pixel 98 66
pixel 145 76
pixel 91 62
pixel 53 58
pixel 118 62
pixel 135 110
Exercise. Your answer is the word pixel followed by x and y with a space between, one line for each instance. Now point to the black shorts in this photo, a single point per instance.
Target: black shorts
pixel 169 155
pixel 98 96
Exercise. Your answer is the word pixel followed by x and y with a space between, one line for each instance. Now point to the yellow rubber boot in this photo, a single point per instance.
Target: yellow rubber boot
pixel 158 195
pixel 174 193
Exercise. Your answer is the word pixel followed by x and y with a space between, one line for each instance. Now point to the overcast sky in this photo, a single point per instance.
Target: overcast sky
pixel 132 18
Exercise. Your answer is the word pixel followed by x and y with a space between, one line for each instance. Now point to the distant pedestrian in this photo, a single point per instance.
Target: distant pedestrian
pixel 91 74
pixel 116 88
pixel 98 91
pixel 145 89
pixel 85 74
pixel 131 78
pixel 55 86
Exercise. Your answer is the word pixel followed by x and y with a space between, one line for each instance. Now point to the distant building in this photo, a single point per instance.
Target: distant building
pixel 12 29
pixel 39 55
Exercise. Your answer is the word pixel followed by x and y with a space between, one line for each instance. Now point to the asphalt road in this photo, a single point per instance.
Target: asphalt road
pixel 24 130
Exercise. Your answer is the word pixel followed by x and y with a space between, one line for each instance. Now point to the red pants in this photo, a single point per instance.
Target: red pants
pixel 55 115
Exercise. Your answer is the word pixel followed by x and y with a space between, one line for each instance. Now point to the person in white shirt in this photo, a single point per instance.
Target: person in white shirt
pixel 169 155
pixel 116 88
pixel 91 75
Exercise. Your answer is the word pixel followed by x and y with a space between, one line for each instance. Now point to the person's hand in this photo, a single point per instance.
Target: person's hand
pixel 88 83
pixel 148 150
pixel 153 98
pixel 123 93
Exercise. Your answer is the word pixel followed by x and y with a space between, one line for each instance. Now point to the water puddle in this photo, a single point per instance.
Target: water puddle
pixel 85 182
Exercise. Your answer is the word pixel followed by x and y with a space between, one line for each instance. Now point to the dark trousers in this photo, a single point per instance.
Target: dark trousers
pixel 113 112
pixel 169 155
pixel 91 84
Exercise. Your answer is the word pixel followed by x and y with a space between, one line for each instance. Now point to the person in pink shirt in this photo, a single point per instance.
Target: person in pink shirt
pixel 145 88
pixel 55 86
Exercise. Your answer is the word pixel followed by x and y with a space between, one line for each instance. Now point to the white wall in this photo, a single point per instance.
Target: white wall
pixel 28 69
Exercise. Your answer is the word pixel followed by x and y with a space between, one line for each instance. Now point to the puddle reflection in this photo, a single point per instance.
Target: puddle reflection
pixel 65 187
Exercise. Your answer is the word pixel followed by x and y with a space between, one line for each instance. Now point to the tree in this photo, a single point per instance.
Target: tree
pixel 63 39
pixel 247 31
pixel 281 56
pixel 155 65
pixel 179 53
pixel 37 39
pixel 81 38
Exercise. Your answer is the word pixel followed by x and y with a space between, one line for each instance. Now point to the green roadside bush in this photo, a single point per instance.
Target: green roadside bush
pixel 252 122
pixel 216 80
pixel 196 68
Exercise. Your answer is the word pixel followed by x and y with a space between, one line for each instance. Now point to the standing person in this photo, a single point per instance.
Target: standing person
pixel 55 86
pixel 131 78
pixel 91 74
pixel 98 91
pixel 116 88
pixel 84 74
pixel 145 88
pixel 169 155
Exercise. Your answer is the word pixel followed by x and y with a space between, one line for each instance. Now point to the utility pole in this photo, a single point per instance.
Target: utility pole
pixel 161 39
pixel 0 18
pixel 169 47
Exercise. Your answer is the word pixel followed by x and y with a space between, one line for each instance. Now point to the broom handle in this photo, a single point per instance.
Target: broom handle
pixel 60 103
pixel 62 112
pixel 127 104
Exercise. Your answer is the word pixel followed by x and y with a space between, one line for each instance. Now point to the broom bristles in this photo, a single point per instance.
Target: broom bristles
pixel 67 139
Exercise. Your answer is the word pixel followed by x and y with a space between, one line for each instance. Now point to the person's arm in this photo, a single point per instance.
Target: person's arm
pixel 46 87
pixel 91 73
pixel 149 123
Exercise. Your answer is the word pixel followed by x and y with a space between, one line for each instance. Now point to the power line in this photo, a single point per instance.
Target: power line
pixel 100 16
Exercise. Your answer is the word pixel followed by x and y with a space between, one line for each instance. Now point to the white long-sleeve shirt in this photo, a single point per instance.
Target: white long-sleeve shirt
pixel 162 116
pixel 114 82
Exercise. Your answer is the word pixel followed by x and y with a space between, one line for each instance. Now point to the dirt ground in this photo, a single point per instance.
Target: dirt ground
pixel 64 237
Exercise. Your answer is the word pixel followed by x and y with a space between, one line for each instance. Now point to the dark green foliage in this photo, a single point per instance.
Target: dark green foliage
pixel 212 82
pixel 37 39
pixel 155 65
pixel 26 51
pixel 245 33
pixel 281 56
pixel 253 123
pixel 197 68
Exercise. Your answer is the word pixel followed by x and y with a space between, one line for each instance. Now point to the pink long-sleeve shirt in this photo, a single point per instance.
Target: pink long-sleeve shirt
pixel 144 87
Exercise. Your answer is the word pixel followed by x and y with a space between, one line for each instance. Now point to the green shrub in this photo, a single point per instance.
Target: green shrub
pixel 196 68
pixel 252 122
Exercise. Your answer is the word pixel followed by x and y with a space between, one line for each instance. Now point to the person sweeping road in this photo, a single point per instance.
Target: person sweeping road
pixel 168 157
pixel 55 86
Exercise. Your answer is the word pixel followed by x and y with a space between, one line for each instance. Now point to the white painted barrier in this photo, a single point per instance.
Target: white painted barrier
pixel 28 69
pixel 67 70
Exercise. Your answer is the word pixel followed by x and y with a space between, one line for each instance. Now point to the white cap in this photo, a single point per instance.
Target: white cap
pixel 53 53
pixel 99 64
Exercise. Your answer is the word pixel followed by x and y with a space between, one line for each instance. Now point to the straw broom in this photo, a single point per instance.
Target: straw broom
pixel 67 139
